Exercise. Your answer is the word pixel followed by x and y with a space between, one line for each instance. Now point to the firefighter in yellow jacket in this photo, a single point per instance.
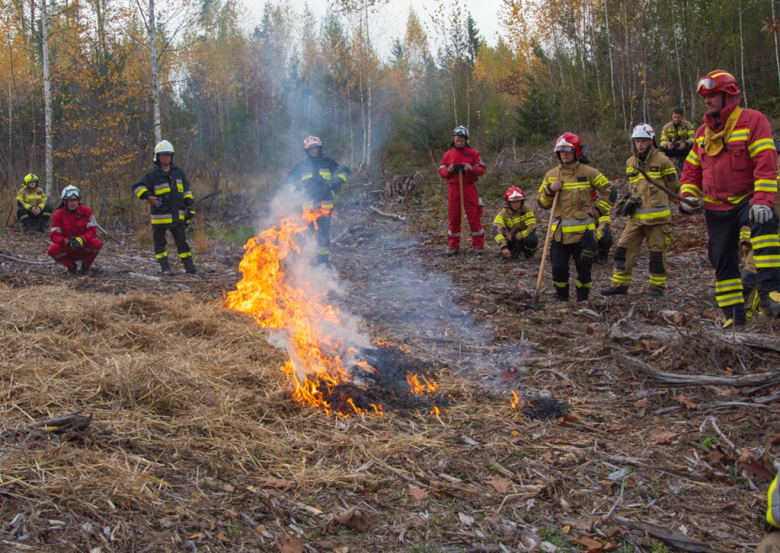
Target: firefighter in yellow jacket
pixel 677 139
pixel 515 226
pixel 771 542
pixel 650 218
pixel 574 220
pixel 31 207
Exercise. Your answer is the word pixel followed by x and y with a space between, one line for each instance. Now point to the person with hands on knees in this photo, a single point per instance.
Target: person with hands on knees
pixel 73 233
pixel 464 162
pixel 31 207
pixel 574 219
pixel 167 191
pixel 731 175
pixel 515 226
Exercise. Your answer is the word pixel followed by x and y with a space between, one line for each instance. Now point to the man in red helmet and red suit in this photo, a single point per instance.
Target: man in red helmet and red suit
pixel 731 173
pixel 574 219
pixel 462 161
pixel 317 177
pixel 515 226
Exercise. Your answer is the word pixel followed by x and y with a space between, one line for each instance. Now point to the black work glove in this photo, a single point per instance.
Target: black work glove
pixel 189 215
pixel 76 242
pixel 336 184
pixel 589 245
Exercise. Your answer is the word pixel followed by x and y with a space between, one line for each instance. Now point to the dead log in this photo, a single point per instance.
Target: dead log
pixel 673 380
pixel 752 340
pixel 65 422
pixel 633 333
pixel 383 214
pixel 20 260
pixel 675 539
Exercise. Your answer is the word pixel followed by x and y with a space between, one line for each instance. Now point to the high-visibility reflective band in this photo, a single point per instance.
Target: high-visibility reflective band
pixel 188 195
pixel 325 174
pixel 308 206
pixel 773 503
pixel 343 176
pixel 162 189
pixel 604 219
pixel 739 135
pixel 765 241
pixel 442 166
pixel 576 225
pixel 530 221
pixel 767 261
pixel 700 141
pixel 657 280
pixel 561 284
pixel 579 284
pixel 181 215
pixel 651 212
pixel 765 185
pixel 693 159
pixel 307 176
pixel 182 255
pixel 480 233
pixel 624 280
pixel 744 235
pixel 323 251
pixel 733 200
pixel 605 206
pixel 761 145
pixel 670 171
pixel 55 229
pixel 141 189
pixel 600 181
pixel 690 189
pixel 500 238
pixel 575 185
pixel 724 300
pixel 524 233
pixel 728 285
pixel 453 234
pixel 326 206
pixel 92 223
pixel 161 255
pixel 162 219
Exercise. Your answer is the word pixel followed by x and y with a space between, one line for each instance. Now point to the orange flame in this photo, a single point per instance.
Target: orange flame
pixel 268 292
pixel 515 401
pixel 417 387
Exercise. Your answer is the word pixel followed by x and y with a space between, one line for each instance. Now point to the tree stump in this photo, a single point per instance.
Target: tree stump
pixel 399 187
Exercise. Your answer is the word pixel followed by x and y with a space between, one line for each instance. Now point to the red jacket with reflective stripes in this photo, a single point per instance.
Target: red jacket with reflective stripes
pixel 747 164
pixel 457 157
pixel 70 224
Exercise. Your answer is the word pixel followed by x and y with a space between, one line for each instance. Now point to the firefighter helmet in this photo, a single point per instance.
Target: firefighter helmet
pixel 311 142
pixel 569 142
pixel 718 81
pixel 163 147
pixel 513 194
pixel 30 178
pixel 71 192
pixel 460 130
pixel 643 131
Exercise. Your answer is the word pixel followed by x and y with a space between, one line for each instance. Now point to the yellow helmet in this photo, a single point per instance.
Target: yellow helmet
pixel 29 178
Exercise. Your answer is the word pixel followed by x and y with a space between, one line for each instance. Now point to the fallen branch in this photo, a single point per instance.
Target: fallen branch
pixel 342 234
pixel 748 339
pixel 671 379
pixel 207 197
pixel 65 422
pixel 675 539
pixel 19 260
pixel 383 214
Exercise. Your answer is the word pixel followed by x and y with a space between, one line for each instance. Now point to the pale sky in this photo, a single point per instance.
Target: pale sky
pixel 392 21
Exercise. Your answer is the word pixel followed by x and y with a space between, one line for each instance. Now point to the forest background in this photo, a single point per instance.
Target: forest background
pixel 236 97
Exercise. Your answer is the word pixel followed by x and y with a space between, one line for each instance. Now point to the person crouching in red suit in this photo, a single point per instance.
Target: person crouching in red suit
pixel 462 159
pixel 73 233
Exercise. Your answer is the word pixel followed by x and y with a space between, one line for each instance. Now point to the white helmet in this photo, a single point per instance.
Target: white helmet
pixel 643 131
pixel 71 192
pixel 461 131
pixel 163 147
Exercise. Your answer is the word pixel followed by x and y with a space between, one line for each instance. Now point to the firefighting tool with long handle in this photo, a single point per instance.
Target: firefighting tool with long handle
pixel 462 215
pixel 546 249
pixel 673 195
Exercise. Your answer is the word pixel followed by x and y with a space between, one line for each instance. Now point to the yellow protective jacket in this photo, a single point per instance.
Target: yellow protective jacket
pixel 569 222
pixel 773 504
pixel 521 223
pixel 683 133
pixel 655 202
pixel 29 198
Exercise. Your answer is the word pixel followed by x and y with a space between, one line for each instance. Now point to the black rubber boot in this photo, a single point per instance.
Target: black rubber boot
pixel 189 266
pixel 562 293
pixel 655 292
pixel 27 227
pixel 771 303
pixel 42 224
pixel 582 294
pixel 614 290
pixel 735 316
pixel 165 267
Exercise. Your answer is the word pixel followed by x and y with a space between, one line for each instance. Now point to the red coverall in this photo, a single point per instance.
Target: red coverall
pixel 72 224
pixel 470 196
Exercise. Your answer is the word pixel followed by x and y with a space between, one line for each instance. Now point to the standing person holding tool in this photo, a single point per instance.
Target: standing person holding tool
pixel 515 226
pixel 167 191
pixel 459 165
pixel 573 219
pixel 73 233
pixel 647 207
pixel 31 207
pixel 731 174
pixel 318 177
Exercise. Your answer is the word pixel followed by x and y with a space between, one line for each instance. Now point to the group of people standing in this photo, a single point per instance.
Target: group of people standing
pixel 728 171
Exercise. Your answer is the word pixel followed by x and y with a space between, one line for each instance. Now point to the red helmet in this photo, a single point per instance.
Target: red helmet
pixel 513 194
pixel 569 142
pixel 311 142
pixel 718 81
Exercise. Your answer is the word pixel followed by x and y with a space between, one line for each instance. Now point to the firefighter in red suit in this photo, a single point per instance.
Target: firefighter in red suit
pixel 73 233
pixel 731 172
pixel 464 160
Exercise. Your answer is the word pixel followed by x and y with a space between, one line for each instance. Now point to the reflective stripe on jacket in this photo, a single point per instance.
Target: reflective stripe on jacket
pixel 459 157
pixel 655 202
pixel 172 189
pixel 66 224
pixel 313 176
pixel 28 199
pixel 520 223
pixel 682 133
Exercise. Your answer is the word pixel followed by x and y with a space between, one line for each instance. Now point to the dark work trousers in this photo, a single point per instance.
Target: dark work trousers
pixel 526 246
pixel 323 238
pixel 179 233
pixel 560 255
pixel 723 230
pixel 605 243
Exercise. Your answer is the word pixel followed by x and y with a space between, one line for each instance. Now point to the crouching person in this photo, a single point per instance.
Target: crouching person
pixel 73 233
pixel 515 226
